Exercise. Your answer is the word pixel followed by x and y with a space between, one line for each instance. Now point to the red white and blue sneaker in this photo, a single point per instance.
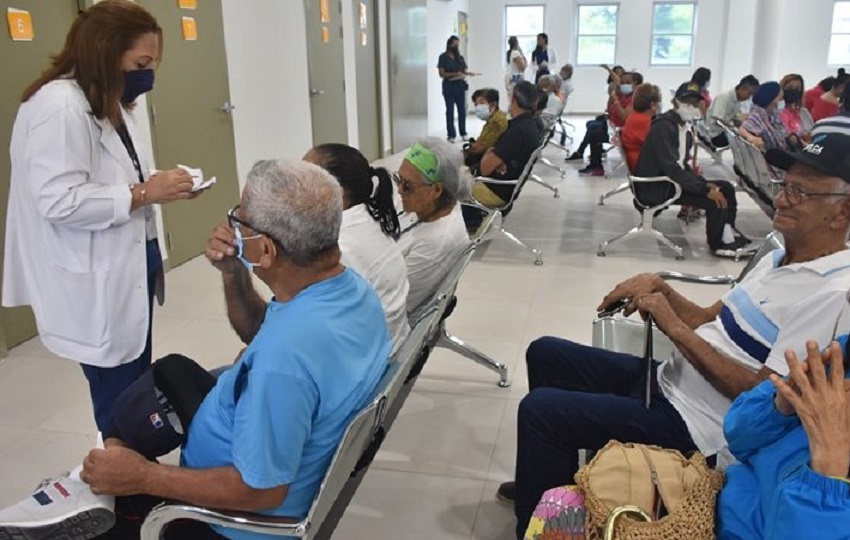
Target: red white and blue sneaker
pixel 59 508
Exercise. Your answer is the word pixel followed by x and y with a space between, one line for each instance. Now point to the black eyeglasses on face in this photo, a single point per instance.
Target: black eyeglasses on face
pixel 407 186
pixel 795 195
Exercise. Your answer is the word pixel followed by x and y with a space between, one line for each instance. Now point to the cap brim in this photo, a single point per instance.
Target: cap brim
pixel 690 95
pixel 783 159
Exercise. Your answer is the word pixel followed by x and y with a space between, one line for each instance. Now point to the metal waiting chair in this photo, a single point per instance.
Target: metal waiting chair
pixel 647 213
pixel 615 138
pixel 359 443
pixel 747 170
pixel 703 139
pixel 500 213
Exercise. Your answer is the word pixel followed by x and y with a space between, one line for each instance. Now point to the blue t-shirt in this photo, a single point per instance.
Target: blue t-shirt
pixel 279 413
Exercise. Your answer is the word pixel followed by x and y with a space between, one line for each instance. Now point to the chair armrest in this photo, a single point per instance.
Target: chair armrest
pixel 496 181
pixel 725 279
pixel 160 517
pixel 646 179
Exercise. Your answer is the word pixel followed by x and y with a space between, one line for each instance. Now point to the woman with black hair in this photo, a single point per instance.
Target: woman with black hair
pixel 827 104
pixel 453 71
pixel 825 85
pixel 516 66
pixel 542 56
pixel 369 229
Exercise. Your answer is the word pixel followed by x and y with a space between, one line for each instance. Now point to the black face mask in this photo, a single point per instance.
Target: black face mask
pixel 792 95
pixel 136 83
pixel 454 50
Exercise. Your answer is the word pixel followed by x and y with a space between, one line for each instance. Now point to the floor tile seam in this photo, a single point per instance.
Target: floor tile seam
pixel 378 466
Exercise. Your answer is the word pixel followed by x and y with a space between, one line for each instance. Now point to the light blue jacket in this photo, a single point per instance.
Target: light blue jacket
pixel 773 494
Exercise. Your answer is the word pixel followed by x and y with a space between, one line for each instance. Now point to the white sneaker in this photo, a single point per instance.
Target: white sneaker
pixel 59 508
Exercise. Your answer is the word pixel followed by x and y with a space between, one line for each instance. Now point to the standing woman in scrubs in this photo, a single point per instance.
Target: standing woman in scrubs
pixel 81 244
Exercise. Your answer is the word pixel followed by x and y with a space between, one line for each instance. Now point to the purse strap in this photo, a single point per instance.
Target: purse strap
pixel 647 358
pixel 621 511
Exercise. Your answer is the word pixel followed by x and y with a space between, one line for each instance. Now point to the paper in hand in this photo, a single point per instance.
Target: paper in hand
pixel 198 178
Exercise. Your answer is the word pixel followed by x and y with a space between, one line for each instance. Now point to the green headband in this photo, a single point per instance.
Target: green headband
pixel 425 162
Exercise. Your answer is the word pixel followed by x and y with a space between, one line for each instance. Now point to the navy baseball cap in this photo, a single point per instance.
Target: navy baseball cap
pixel 689 89
pixel 829 152
pixel 141 419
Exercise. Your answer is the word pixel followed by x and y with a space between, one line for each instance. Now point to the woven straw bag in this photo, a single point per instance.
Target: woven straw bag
pixel 628 486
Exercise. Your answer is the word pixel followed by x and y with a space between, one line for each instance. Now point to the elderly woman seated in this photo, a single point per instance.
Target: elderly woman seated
pixel 486 102
pixel 763 127
pixel 792 438
pixel 431 182
pixel 550 86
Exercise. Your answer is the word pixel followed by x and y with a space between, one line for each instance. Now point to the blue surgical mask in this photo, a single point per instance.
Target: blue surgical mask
pixel 240 249
pixel 136 83
pixel 482 111
pixel 626 89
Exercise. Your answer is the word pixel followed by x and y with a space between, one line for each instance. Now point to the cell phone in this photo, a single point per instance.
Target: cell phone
pixel 616 307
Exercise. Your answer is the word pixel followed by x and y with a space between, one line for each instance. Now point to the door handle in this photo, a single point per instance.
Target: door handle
pixel 316 92
pixel 227 107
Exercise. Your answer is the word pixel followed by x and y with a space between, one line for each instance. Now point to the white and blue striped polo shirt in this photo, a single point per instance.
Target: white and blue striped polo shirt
pixel 772 310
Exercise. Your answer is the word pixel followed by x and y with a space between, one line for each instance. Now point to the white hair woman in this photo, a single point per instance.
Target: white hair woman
pixel 431 182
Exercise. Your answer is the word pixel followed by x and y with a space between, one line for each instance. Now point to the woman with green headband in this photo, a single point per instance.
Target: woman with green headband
pixel 431 181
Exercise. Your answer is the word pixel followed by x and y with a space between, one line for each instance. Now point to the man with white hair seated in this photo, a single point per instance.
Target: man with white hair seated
pixel 261 436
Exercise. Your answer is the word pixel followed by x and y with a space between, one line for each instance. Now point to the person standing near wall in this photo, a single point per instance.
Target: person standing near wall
pixel 542 56
pixel 452 68
pixel 81 237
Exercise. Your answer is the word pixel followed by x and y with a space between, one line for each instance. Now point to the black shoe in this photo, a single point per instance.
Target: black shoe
pixel 507 492
pixel 575 156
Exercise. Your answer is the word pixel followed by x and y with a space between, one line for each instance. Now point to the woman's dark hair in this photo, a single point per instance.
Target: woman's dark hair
pixel 701 76
pixel 449 42
pixel 354 174
pixel 827 84
pixel 513 45
pixel 637 78
pixel 489 94
pixel 545 37
pixel 92 54
pixel 615 68
pixel 645 95
pixel 842 79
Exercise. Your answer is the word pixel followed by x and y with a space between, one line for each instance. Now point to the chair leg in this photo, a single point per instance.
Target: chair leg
pixel 562 171
pixel 635 231
pixel 537 180
pixel 538 261
pixel 619 189
pixel 454 344
pixel 669 243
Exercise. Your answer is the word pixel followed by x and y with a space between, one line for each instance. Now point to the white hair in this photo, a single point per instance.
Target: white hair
pixel 451 172
pixel 298 204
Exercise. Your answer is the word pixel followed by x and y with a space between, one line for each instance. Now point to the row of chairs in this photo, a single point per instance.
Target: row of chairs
pixel 755 176
pixel 363 436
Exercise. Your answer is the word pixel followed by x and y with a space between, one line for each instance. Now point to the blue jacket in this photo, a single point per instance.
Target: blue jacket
pixel 773 494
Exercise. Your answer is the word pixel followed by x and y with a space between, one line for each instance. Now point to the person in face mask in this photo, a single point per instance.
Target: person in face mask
pixel 81 241
pixel 486 103
pixel 796 119
pixel 668 151
pixel 453 71
pixel 763 127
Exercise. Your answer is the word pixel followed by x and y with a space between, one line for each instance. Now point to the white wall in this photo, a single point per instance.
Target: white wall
pixel 442 23
pixel 267 68
pixel 733 38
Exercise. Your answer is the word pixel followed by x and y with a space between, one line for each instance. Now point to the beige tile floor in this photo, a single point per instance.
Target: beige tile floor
pixel 454 439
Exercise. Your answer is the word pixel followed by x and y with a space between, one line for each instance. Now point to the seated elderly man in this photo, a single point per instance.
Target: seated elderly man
pixel 486 101
pixel 508 158
pixel 261 436
pixel 582 397
pixel 550 85
pixel 727 108
pixel 663 154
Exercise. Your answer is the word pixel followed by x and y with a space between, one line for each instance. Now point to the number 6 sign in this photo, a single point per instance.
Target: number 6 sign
pixel 20 25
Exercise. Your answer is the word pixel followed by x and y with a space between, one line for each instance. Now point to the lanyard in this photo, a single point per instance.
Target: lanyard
pixel 124 134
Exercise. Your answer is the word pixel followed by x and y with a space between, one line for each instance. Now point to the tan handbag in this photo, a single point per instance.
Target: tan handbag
pixel 640 492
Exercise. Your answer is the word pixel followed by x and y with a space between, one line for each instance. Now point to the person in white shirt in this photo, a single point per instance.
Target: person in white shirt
pixel 567 88
pixel 727 108
pixel 542 57
pixel 582 397
pixel 517 65
pixel 431 181
pixel 369 229
pixel 81 238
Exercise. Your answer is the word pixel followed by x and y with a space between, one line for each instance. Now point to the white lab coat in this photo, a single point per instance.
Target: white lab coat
pixel 74 252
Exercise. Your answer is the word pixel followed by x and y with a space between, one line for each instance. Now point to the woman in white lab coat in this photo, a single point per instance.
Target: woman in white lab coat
pixel 81 244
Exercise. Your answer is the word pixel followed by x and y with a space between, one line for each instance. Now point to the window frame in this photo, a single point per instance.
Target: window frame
pixel 579 35
pixel 833 34
pixel 693 33
pixel 505 33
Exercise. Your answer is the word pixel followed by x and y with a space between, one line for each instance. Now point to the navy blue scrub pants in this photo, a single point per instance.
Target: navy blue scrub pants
pixel 455 99
pixel 582 397
pixel 106 384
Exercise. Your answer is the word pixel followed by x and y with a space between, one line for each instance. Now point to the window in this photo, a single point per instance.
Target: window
pixel 839 44
pixel 673 33
pixel 596 41
pixel 524 22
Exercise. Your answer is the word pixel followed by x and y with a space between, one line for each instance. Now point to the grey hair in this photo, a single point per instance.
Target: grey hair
pixel 298 204
pixel 453 175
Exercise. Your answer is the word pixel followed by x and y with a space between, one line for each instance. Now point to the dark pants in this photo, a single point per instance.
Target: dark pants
pixel 720 141
pixel 582 397
pixel 185 384
pixel 455 98
pixel 596 135
pixel 716 218
pixel 106 384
